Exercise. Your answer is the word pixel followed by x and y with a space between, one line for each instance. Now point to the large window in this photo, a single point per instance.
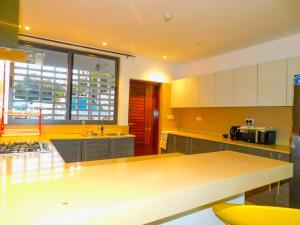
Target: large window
pixel 93 89
pixel 68 86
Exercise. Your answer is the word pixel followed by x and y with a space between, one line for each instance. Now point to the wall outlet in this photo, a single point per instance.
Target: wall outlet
pixel 170 117
pixel 199 118
pixel 249 121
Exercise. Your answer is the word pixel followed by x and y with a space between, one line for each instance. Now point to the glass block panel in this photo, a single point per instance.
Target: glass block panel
pixel 44 86
pixel 93 80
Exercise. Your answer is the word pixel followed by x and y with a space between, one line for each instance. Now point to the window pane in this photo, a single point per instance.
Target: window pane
pixel 93 88
pixel 41 86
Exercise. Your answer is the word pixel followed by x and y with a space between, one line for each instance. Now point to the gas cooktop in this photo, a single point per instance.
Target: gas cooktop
pixel 23 147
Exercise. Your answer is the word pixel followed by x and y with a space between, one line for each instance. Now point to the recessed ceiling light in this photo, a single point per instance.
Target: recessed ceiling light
pixel 104 43
pixel 20 27
pixel 164 57
pixel 27 27
pixel 167 17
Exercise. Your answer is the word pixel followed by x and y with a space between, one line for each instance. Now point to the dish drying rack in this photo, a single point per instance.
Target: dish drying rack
pixel 4 131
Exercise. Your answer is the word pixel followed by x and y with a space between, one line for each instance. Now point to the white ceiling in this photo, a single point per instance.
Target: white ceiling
pixel 199 28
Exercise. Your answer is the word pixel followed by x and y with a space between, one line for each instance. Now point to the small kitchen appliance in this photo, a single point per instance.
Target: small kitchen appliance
pixel 259 135
pixel 234 133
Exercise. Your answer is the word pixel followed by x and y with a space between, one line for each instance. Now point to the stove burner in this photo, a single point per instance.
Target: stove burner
pixel 23 147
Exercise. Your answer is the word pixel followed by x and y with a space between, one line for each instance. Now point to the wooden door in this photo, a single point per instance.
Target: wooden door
pixel 144 116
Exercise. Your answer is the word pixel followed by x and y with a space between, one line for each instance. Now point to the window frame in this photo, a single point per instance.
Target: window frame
pixel 70 62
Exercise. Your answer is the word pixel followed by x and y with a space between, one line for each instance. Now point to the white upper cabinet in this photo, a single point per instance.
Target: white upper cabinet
pixel 272 83
pixel 267 84
pixel 178 93
pixel 207 90
pixel 192 92
pixel 293 69
pixel 245 86
pixel 225 88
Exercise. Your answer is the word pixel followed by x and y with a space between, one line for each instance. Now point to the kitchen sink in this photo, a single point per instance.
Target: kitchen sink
pixel 114 134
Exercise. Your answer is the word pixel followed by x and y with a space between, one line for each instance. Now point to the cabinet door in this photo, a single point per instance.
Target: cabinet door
pixel 178 93
pixel 95 149
pixel 293 69
pixel 204 146
pixel 182 144
pixel 69 150
pixel 225 88
pixel 281 156
pixel 272 83
pixel 245 82
pixel 237 148
pixel 207 90
pixel 192 92
pixel 171 143
pixel 122 147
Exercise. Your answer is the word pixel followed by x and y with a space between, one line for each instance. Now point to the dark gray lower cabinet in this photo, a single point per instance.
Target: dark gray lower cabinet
pixel 70 150
pixel 122 147
pixel 177 143
pixel 187 145
pixel 182 145
pixel 95 149
pixel 259 152
pixel 203 146
pixel 170 144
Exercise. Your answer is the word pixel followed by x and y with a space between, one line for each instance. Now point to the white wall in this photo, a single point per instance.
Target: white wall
pixel 269 51
pixel 141 68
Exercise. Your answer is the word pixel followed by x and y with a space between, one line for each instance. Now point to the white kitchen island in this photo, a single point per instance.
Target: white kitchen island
pixel 131 191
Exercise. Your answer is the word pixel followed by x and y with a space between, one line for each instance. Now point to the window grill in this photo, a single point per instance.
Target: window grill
pixel 88 92
pixel 36 86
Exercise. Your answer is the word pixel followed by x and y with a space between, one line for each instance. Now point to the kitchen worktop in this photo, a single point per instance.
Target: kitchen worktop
pixel 275 148
pixel 41 189
pixel 59 136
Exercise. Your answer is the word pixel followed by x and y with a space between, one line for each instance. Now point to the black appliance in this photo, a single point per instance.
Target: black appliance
pixel 259 135
pixel 235 133
pixel 266 137
pixel 247 135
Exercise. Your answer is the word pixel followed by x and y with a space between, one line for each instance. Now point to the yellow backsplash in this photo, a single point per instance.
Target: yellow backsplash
pixel 65 129
pixel 217 121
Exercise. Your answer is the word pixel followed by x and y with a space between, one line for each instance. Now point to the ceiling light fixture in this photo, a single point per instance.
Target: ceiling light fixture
pixel 104 43
pixel 20 27
pixel 27 27
pixel 167 17
pixel 164 57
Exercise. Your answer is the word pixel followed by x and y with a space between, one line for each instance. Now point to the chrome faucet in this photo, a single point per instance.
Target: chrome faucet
pixel 101 129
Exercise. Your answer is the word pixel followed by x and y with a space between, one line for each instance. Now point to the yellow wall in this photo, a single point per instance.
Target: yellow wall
pixel 72 129
pixel 167 124
pixel 217 121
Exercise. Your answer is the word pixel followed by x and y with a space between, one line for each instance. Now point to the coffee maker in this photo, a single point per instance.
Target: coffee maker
pixel 235 133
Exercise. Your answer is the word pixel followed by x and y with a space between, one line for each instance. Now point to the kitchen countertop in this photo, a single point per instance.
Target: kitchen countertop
pixel 275 148
pixel 59 136
pixel 40 189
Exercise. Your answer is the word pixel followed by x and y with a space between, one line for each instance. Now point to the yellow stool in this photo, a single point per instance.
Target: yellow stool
pixel 235 214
